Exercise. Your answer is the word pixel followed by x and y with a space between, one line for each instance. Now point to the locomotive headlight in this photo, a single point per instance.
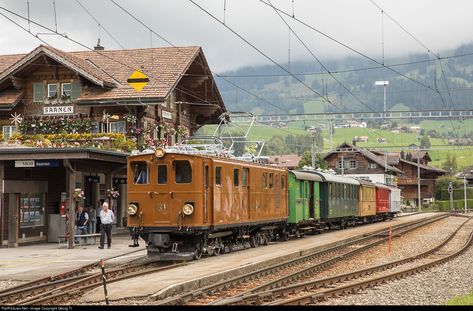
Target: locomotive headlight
pixel 159 152
pixel 188 209
pixel 132 209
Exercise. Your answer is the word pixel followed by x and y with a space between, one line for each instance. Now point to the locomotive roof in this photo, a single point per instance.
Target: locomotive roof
pixel 335 178
pixel 306 176
pixel 382 186
pixel 213 157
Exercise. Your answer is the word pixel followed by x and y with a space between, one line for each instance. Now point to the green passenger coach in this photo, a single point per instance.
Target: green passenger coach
pixel 304 201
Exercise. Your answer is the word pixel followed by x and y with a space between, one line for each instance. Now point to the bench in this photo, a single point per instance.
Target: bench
pixel 82 240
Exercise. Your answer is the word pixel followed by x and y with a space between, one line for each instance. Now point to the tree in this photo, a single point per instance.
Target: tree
pixel 450 164
pixel 425 142
pixel 306 160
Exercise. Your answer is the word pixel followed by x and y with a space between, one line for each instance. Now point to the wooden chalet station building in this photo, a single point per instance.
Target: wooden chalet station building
pixel 70 119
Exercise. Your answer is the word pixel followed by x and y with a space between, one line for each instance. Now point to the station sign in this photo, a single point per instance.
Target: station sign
pixel 24 163
pixel 93 179
pixel 118 180
pixel 37 163
pixel 47 163
pixel 48 110
pixel 166 114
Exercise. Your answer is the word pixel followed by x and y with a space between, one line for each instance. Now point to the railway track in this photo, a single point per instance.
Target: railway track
pixel 76 281
pixel 313 291
pixel 288 271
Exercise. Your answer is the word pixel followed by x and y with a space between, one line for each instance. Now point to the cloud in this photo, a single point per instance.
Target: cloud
pixel 437 24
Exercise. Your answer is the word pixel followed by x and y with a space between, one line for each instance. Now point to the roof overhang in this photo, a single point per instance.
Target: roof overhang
pixel 62 154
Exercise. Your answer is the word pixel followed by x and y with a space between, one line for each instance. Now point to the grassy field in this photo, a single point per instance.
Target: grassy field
pixel 395 142
pixel 466 300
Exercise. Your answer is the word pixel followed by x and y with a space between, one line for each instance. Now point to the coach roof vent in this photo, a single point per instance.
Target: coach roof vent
pixel 98 47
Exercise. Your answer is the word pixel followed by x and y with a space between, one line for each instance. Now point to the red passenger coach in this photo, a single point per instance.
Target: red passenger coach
pixel 382 199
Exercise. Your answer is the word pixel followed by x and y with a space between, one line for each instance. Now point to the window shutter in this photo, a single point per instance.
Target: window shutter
pixel 76 90
pixel 38 92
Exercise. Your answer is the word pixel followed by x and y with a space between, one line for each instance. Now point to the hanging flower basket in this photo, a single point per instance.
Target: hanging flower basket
pixel 113 193
pixel 78 194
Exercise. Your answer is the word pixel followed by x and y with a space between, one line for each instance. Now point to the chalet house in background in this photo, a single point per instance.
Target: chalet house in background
pixel 396 169
pixel 287 161
pixel 70 119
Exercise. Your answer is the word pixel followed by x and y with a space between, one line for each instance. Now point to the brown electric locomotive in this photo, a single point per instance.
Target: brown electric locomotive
pixel 186 205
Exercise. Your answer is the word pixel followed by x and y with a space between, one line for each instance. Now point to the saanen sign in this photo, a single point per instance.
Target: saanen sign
pixel 58 110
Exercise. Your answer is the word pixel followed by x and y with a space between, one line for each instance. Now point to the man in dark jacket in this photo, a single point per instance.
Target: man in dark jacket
pixel 82 219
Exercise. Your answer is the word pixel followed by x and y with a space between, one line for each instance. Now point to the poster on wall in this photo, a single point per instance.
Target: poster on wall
pixel 32 216
pixel 26 216
pixel 36 216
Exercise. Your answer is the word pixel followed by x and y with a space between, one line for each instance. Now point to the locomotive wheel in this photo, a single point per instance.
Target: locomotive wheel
pixel 285 236
pixel 254 241
pixel 266 239
pixel 197 252
pixel 217 251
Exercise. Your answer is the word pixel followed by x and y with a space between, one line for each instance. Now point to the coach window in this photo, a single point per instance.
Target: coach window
pixel 218 175
pixel 162 174
pixel 183 171
pixel 244 177
pixel 270 180
pixel 265 180
pixel 140 172
pixel 236 177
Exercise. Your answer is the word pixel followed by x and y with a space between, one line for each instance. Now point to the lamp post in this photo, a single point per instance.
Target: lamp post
pixel 383 83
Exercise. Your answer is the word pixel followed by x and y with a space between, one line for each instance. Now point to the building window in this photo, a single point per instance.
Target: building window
pixel 372 165
pixel 38 92
pixel 52 90
pixel 117 127
pixel 66 89
pixel 346 164
pixel 353 164
pixel 95 127
pixel 8 131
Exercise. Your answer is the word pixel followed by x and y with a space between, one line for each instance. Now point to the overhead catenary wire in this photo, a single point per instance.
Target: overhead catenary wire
pixel 430 52
pixel 180 50
pixel 271 60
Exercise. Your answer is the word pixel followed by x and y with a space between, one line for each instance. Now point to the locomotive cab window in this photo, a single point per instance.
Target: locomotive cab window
pixel 140 172
pixel 218 176
pixel 265 180
pixel 236 176
pixel 162 174
pixel 183 171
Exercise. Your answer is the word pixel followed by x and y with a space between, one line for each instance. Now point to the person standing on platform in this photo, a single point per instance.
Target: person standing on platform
pixel 106 218
pixel 82 218
pixel 93 219
pixel 99 209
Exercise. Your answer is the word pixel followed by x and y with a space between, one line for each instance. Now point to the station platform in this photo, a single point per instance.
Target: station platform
pixel 26 263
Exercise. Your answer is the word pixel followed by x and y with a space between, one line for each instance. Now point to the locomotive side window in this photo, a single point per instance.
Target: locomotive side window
pixel 236 177
pixel 265 180
pixel 162 174
pixel 183 171
pixel 140 172
pixel 218 175
pixel 244 177
pixel 270 180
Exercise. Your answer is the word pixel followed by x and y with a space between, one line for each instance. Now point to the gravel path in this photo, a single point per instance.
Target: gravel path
pixel 433 287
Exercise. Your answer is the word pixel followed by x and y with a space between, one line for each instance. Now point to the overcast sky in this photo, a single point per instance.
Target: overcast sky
pixel 438 24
